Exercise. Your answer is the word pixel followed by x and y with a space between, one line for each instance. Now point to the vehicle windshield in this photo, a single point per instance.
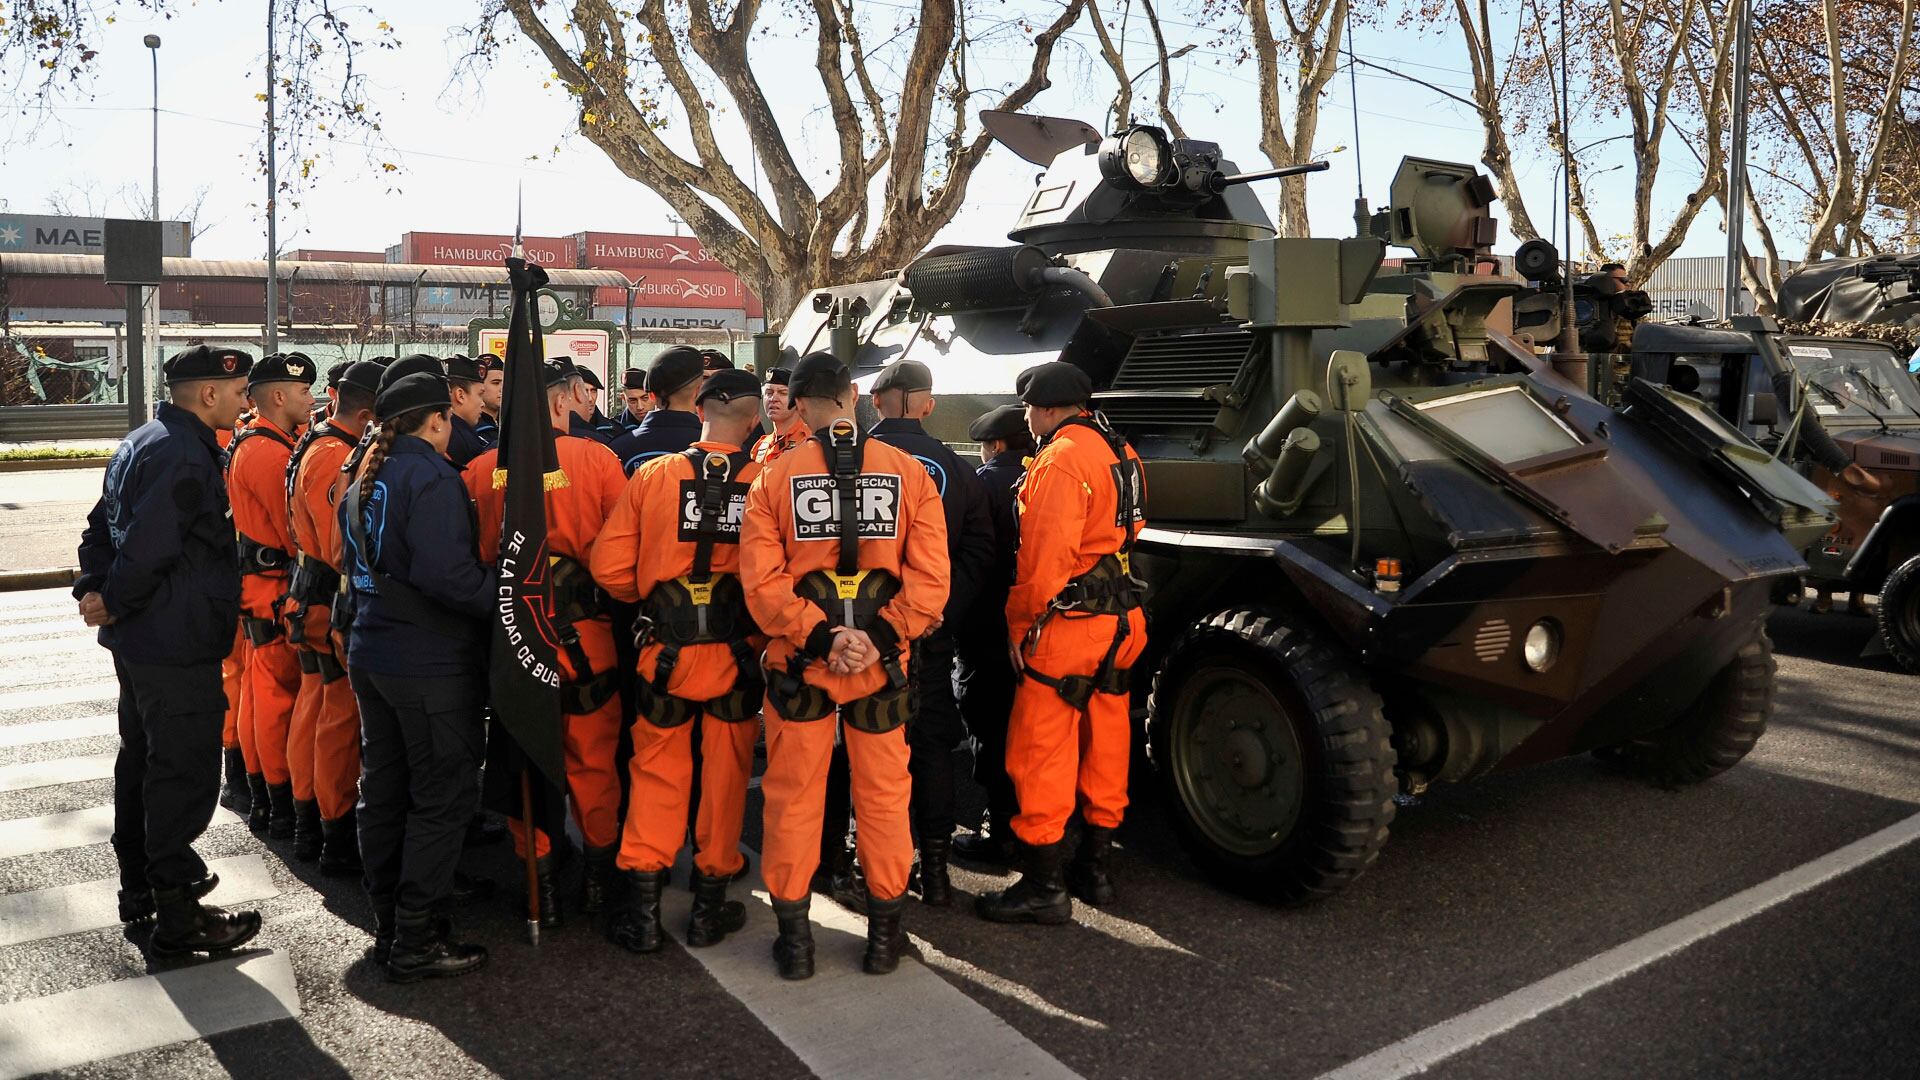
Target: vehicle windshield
pixel 1849 380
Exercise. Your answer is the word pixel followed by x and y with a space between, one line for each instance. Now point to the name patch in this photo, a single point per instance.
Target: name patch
pixel 734 510
pixel 816 507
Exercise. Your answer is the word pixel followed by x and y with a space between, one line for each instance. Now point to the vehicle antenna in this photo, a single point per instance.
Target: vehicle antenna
pixel 1362 218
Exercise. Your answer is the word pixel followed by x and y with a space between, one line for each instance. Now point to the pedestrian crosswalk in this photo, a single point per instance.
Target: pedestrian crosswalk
pixel 48 661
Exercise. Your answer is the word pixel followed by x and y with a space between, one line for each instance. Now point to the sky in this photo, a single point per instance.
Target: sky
pixel 463 149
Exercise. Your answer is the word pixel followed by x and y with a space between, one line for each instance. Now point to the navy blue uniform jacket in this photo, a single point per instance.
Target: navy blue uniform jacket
pixel 627 420
pixel 661 432
pixel 420 526
pixel 962 498
pixel 586 429
pixel 466 442
pixel 159 546
pixel 1000 478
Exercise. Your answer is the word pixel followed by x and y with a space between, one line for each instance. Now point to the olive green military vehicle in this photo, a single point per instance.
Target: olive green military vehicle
pixel 1387 545
pixel 1849 418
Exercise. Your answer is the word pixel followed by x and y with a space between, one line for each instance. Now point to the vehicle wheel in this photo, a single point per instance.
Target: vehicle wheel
pixel 1272 755
pixel 1716 732
pixel 1899 613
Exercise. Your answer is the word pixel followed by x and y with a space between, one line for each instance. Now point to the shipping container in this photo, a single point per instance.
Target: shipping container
pixel 678 289
pixel 656 318
pixel 330 255
pixel 60 235
pixel 631 251
pixel 485 249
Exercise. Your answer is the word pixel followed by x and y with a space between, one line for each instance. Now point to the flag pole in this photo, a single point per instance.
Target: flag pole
pixel 533 870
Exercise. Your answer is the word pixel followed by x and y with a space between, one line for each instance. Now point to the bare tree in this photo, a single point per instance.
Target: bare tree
pixel 1113 53
pixel 906 147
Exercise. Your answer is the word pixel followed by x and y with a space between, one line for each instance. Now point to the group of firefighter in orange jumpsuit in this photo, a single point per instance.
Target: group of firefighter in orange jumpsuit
pixel 782 582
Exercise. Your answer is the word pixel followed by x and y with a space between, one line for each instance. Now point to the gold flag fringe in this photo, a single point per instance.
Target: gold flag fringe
pixel 552 481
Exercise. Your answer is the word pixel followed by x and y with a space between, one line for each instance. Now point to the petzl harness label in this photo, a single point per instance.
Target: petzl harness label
pixel 727 530
pixel 816 512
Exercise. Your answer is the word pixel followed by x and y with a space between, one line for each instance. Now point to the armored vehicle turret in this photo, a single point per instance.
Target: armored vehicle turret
pixel 1388 545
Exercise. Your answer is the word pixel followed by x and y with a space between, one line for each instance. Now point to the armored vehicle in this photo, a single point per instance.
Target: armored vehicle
pixel 1388 545
pixel 1850 419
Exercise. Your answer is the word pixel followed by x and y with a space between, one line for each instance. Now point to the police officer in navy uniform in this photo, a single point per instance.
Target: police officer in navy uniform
pixel 596 419
pixel 903 396
pixel 493 378
pixel 633 394
pixel 417 656
pixel 672 426
pixel 987 677
pixel 463 382
pixel 159 575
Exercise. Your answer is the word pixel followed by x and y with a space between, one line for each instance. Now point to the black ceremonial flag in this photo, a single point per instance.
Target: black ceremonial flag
pixel 525 669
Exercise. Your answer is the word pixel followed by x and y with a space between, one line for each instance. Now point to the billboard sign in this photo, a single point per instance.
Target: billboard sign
pixel 41 234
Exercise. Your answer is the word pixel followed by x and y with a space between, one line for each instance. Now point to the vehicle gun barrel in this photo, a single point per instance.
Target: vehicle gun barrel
pixel 1222 181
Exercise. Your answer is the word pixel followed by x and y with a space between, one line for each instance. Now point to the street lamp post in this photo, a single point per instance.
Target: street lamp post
pixel 273 243
pixel 152 42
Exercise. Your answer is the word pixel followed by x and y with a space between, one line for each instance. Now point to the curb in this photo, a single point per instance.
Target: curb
pixel 12 465
pixel 50 577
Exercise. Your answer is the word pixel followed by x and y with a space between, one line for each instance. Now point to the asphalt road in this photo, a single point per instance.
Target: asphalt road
pixel 43 513
pixel 1486 894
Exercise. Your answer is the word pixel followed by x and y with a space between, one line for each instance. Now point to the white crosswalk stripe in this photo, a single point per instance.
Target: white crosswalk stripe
pixel 19 631
pixel 91 905
pixel 46 731
pixel 38 774
pixel 60 1031
pixel 75 828
pixel 41 697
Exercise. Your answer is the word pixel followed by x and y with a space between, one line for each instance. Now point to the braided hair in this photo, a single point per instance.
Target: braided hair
pixel 389 430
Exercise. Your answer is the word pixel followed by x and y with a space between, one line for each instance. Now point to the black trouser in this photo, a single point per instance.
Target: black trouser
pixel 421 744
pixel 167 776
pixel 986 701
pixel 933 734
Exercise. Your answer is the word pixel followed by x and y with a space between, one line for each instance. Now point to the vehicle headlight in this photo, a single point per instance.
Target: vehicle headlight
pixel 1139 157
pixel 1542 646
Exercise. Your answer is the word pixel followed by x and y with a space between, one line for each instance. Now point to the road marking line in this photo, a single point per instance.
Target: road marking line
pixel 35 653
pixel 850 1025
pixel 933 957
pixel 75 828
pixel 73 770
pixel 41 697
pixel 44 628
pixel 45 731
pixel 93 1023
pixel 91 905
pixel 1425 1049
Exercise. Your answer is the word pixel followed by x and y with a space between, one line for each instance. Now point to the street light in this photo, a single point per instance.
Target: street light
pixel 152 41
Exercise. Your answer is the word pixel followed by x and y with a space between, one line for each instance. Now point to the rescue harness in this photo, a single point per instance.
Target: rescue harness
pixel 313 581
pixel 1109 588
pixel 700 608
pixel 256 557
pixel 848 596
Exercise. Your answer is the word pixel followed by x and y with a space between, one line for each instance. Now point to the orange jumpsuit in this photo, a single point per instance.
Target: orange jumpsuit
pixel 233 669
pixel 768 448
pixel 912 546
pixel 647 541
pixel 257 489
pixel 1068 507
pixel 575 514
pixel 324 740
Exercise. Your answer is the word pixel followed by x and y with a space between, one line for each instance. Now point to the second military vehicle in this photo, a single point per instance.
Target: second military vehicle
pixel 1388 545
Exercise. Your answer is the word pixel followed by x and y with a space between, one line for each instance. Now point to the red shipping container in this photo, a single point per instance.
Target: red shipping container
pixel 678 289
pixel 484 249
pixel 631 251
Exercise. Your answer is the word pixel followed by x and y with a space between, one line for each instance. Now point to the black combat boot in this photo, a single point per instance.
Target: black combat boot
pixel 383 930
pixel 602 880
pixel 306 830
pixel 547 881
pixel 885 943
pixel 422 949
pixel 185 926
pixel 793 949
pixel 991 846
pixel 340 846
pixel 714 916
pixel 637 927
pixel 259 809
pixel 936 888
pixel 1087 875
pixel 1040 896
pixel 136 904
pixel 280 798
pixel 236 796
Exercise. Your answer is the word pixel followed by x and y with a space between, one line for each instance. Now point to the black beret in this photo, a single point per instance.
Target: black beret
pixel 729 384
pixel 382 361
pixel 558 372
pixel 1008 423
pixel 779 376
pixel 909 375
pixel 489 362
pixel 587 374
pixel 812 368
pixel 634 379
pixel 674 370
pixel 1054 385
pixel 207 362
pixel 415 363
pixel 282 367
pixel 362 375
pixel 715 360
pixel 336 370
pixel 420 390
pixel 463 367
